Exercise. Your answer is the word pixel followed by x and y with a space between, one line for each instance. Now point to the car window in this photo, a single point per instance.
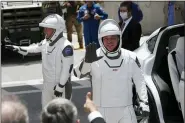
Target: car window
pixel 151 43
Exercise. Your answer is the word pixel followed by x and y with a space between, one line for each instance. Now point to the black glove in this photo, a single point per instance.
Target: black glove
pixel 58 90
pixel 90 54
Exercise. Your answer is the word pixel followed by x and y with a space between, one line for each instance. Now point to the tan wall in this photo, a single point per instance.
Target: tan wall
pixel 154 13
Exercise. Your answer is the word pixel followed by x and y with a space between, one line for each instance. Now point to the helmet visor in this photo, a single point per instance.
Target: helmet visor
pixel 49 32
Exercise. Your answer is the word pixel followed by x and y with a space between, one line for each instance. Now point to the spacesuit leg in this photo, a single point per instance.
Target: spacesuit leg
pixel 47 93
pixel 128 115
pixel 111 115
pixel 119 114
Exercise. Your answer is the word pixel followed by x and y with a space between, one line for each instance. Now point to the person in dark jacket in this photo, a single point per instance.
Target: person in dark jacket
pixel 137 14
pixel 131 29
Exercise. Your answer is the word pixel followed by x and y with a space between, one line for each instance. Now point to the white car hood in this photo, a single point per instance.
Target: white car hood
pixel 143 39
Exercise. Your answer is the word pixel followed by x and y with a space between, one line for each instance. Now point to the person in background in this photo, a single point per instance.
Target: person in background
pixel 13 110
pixel 131 29
pixel 70 18
pixel 51 7
pixel 91 14
pixel 137 14
pixel 61 110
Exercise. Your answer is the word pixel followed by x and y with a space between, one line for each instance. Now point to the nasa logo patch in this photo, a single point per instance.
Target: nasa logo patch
pixel 68 51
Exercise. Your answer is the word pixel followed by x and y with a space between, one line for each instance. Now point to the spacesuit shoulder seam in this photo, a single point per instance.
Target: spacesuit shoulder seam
pixel 134 58
pixel 132 55
pixel 128 54
pixel 66 43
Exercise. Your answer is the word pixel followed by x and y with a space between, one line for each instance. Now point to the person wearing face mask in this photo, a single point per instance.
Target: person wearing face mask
pixel 112 70
pixel 137 14
pixel 131 29
pixel 57 59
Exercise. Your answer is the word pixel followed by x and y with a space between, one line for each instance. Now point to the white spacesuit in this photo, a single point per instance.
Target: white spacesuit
pixel 112 74
pixel 57 59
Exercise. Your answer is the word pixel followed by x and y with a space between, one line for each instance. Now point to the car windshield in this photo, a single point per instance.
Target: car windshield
pixel 153 38
pixel 151 43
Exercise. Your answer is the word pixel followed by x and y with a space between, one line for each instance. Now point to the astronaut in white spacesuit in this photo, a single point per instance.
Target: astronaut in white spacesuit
pixel 112 70
pixel 57 59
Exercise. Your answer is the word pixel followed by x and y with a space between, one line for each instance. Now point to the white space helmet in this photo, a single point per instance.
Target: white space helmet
pixel 54 21
pixel 106 28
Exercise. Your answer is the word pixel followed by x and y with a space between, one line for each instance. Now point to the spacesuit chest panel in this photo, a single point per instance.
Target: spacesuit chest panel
pixel 49 57
pixel 114 82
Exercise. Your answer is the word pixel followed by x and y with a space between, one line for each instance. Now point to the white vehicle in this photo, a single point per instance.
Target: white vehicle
pixel 154 55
